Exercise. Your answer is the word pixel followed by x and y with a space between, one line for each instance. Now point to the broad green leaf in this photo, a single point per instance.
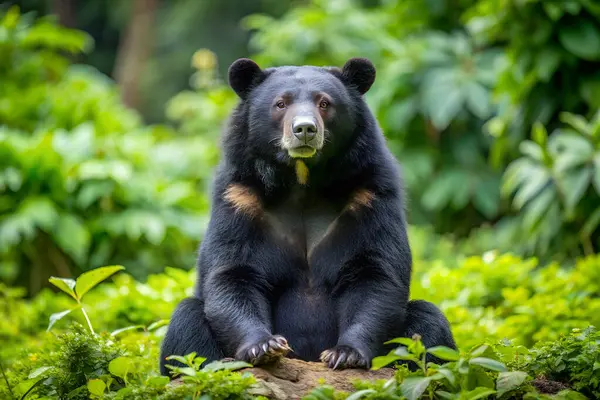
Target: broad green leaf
pixel 591 223
pixel 538 206
pixel 158 324
pixel 537 180
pixel 405 354
pixel 577 122
pixel 508 381
pixel 444 353
pixel 38 372
pixel 64 284
pixel 574 185
pixel 402 340
pixel 488 363
pixel 96 387
pixel 121 366
pixel 443 189
pixel 226 366
pixel 482 350
pixel 447 395
pixel 446 108
pixel 57 316
pixel 486 199
pixel 547 61
pixel 539 134
pixel 157 381
pixel 127 328
pixel 448 374
pixel 478 99
pixel 90 279
pixel 413 387
pixel 479 393
pixel 581 39
pixel 73 237
pixel 382 361
pixel 532 150
pixel 360 394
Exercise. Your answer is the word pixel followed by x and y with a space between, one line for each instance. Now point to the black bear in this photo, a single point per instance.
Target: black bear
pixel 306 252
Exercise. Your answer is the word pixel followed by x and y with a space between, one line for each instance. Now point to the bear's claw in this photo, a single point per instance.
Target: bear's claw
pixel 265 351
pixel 343 356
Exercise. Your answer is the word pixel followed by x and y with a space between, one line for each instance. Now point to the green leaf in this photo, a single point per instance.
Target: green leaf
pixel 158 324
pixel 64 284
pixel 38 372
pixel 226 366
pixel 121 366
pixel 576 122
pixel 547 61
pixel 509 381
pixel 582 39
pixel 58 316
pixel 448 374
pixel 127 328
pixel 443 189
pixel 532 150
pixel 90 279
pixel 591 223
pixel 444 353
pixel 382 361
pixel 539 134
pixel 447 395
pixel 157 381
pixel 574 186
pixel 413 387
pixel 73 237
pixel 478 99
pixel 488 363
pixel 96 387
pixel 360 394
pixel 479 393
pixel 402 340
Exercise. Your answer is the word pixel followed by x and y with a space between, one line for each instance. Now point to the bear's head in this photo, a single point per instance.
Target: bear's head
pixel 302 112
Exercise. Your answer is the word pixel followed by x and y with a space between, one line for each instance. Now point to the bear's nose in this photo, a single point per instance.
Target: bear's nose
pixel 304 128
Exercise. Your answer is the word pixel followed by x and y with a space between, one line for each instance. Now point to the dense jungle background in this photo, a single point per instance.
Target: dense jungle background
pixel 110 121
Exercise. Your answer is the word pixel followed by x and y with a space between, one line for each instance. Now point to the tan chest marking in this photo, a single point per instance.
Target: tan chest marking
pixel 243 200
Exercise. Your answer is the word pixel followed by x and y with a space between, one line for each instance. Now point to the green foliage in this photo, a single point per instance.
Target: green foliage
pixel 82 182
pixel 432 99
pixel 556 185
pixel 508 314
pixel 573 358
pixel 77 289
pixel 494 297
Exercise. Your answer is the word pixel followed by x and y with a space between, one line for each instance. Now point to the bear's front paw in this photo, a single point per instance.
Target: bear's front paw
pixel 343 356
pixel 264 351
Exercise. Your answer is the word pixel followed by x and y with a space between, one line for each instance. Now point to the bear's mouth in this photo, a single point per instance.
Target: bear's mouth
pixel 302 151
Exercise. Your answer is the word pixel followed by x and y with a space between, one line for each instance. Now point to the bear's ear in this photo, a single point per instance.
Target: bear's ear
pixel 243 74
pixel 359 72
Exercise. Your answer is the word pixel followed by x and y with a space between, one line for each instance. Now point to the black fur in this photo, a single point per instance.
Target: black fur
pixel 258 275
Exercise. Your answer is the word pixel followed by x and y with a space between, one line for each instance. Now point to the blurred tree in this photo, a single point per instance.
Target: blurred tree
pixel 134 49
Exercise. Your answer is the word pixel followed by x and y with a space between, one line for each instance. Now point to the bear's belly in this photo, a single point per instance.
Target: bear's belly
pixel 306 318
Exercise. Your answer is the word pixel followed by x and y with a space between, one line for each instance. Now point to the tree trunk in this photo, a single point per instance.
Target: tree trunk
pixel 134 49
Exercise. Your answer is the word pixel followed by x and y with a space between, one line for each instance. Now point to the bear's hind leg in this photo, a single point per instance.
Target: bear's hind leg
pixel 425 319
pixel 188 332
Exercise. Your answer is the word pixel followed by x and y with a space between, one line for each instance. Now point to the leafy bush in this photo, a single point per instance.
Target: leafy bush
pixel 556 184
pixel 83 183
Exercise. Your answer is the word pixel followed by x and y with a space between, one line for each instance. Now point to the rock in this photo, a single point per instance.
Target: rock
pixel 290 379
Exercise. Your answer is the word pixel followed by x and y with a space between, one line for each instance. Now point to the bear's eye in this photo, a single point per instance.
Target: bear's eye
pixel 280 104
pixel 324 104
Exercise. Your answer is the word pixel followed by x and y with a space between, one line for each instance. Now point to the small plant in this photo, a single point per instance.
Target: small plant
pixel 78 288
